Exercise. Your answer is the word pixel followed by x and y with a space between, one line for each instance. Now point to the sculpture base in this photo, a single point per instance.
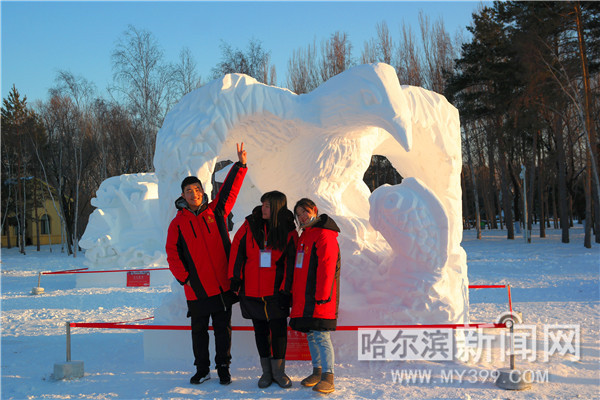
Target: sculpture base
pixel 68 370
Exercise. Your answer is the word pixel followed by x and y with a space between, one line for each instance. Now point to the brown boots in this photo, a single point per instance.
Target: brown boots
pixel 313 378
pixel 320 382
pixel 326 383
pixel 274 371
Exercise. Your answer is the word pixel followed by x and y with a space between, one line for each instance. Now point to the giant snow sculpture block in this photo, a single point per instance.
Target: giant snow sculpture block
pixel 319 145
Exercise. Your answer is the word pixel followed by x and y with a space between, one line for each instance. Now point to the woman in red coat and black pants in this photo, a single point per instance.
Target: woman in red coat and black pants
pixel 262 256
pixel 316 290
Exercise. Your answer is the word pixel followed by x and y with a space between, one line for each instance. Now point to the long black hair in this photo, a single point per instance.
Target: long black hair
pixel 279 223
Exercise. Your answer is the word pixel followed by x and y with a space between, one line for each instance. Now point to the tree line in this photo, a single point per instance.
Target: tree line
pixel 511 106
pixel 527 88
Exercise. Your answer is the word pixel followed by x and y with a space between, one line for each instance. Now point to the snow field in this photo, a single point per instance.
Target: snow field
pixel 552 283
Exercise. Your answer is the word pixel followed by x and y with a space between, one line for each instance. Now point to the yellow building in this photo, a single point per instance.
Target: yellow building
pixel 49 225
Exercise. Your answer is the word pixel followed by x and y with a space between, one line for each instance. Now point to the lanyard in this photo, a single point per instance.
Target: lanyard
pixel 265 255
pixel 300 256
pixel 265 246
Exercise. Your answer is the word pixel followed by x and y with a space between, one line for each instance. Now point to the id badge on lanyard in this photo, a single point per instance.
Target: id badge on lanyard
pixel 300 256
pixel 265 258
pixel 265 255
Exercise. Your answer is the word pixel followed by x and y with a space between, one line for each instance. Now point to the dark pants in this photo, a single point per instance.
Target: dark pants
pixel 271 335
pixel 221 322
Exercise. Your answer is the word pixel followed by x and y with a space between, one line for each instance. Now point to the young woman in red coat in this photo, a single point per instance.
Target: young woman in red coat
pixel 262 256
pixel 316 290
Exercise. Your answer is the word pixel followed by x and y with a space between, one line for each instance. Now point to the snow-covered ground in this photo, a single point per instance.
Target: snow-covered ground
pixel 552 284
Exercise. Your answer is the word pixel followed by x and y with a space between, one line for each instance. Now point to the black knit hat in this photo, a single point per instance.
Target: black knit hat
pixel 190 180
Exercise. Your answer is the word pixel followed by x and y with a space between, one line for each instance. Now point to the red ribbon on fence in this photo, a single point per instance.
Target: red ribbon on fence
pixel 135 320
pixel 113 325
pixel 68 271
pixel 83 271
pixel 486 286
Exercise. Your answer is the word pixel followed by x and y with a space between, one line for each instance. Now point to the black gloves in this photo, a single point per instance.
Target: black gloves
pixel 236 284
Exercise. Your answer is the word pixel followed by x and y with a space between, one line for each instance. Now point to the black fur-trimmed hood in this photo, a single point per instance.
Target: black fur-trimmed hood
pixel 257 223
pixel 324 221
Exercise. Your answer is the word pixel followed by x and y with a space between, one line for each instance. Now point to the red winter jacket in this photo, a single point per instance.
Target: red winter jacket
pixel 316 281
pixel 260 286
pixel 198 245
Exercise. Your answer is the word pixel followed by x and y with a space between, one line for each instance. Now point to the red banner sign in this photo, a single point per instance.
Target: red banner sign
pixel 297 346
pixel 138 278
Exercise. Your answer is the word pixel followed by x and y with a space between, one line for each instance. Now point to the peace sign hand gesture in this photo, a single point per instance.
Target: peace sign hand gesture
pixel 241 153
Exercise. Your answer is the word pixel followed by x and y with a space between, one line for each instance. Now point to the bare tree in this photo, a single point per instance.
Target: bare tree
pixel 79 93
pixel 303 76
pixel 144 81
pixel 255 62
pixel 38 148
pixel 380 49
pixel 369 53
pixel 439 53
pixel 336 55
pixel 273 79
pixel 467 142
pixel 408 64
pixel 186 77
pixel 385 44
pixel 118 137
pixel 60 119
pixel 79 89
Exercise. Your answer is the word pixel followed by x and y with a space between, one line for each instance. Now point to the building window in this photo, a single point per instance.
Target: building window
pixel 45 224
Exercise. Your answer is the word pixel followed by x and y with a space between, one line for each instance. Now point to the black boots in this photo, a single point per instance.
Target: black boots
pixel 224 375
pixel 278 371
pixel 313 378
pixel 267 376
pixel 202 375
pixel 326 383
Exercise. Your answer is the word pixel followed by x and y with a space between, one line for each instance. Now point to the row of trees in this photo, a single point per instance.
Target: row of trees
pixel 76 139
pixel 421 61
pixel 527 87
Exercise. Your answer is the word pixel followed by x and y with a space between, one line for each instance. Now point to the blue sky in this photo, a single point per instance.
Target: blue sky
pixel 41 38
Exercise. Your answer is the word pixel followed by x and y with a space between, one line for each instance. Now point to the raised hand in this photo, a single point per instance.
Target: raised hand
pixel 241 153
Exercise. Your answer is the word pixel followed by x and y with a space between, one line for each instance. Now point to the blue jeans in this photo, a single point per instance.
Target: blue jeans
pixel 321 350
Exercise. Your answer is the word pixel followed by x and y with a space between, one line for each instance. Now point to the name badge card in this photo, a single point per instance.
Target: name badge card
pixel 299 259
pixel 265 258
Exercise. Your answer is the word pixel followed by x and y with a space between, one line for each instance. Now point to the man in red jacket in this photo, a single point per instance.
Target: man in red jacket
pixel 198 248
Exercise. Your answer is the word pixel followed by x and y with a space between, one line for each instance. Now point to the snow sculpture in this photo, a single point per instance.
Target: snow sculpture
pixel 401 257
pixel 123 232
pixel 319 145
pixel 412 220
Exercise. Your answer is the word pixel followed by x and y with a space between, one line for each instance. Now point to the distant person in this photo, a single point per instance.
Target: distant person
pixel 198 247
pixel 316 290
pixel 262 257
